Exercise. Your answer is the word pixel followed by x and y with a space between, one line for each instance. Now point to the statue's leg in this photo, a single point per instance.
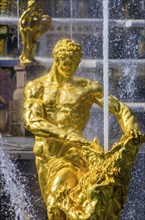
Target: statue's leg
pixel 41 165
pixel 64 180
pixel 56 176
pixel 29 44
pixel 23 36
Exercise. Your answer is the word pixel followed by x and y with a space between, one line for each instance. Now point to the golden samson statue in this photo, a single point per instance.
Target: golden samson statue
pixel 32 25
pixel 78 180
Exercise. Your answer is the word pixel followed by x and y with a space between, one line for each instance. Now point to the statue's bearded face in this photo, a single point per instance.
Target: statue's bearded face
pixel 67 67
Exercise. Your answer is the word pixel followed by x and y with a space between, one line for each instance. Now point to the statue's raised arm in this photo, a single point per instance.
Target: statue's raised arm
pixel 122 112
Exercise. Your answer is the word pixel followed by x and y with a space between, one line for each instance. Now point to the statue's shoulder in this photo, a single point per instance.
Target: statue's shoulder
pixel 35 87
pixel 82 82
pixel 88 83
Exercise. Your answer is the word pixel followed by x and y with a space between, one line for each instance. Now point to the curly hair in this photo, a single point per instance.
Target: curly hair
pixel 67 48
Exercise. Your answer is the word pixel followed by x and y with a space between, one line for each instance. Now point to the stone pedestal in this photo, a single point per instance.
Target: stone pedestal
pixel 16 109
pixel 3 119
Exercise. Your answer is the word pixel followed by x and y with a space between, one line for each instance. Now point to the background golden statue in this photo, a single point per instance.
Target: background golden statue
pixel 32 25
pixel 78 180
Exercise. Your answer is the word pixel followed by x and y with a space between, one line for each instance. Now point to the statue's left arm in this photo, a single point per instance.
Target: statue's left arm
pixel 46 23
pixel 123 113
pixel 125 116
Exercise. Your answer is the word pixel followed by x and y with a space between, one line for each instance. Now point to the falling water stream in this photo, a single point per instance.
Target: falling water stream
pixel 18 15
pixel 14 188
pixel 105 70
pixel 71 17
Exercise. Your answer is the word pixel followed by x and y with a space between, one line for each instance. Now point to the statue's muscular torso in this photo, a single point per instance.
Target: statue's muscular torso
pixel 68 105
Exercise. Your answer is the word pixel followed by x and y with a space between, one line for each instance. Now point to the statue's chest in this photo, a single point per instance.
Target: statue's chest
pixel 70 96
pixel 56 96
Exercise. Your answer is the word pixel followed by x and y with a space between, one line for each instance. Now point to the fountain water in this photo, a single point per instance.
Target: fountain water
pixel 18 15
pixel 71 17
pixel 105 69
pixel 20 207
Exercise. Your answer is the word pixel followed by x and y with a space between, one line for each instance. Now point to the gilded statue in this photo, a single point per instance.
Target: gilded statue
pixel 78 180
pixel 32 25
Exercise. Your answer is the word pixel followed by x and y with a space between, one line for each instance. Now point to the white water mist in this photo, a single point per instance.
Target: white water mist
pixel 14 187
pixel 105 69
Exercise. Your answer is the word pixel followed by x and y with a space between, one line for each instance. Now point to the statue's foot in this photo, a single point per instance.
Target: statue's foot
pixel 27 61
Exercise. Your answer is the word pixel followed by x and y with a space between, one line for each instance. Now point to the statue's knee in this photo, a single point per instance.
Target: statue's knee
pixel 64 177
pixel 39 146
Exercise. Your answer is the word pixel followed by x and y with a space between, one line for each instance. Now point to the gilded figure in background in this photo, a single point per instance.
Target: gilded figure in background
pixel 78 180
pixel 32 25
pixel 4 31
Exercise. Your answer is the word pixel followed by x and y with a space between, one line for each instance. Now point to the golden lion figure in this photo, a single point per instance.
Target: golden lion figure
pixel 78 180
